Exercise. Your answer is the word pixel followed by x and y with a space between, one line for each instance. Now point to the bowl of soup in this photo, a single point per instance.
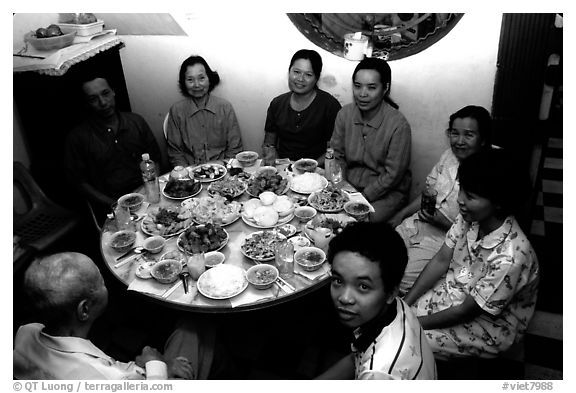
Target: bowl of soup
pixel 262 276
pixel 305 213
pixel 121 241
pixel 310 258
pixel 154 244
pixel 358 210
pixel 166 271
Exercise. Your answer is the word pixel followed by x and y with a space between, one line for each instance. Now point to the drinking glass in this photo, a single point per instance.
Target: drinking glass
pixel 428 201
pixel 196 265
pixel 336 173
pixel 122 217
pixel 285 258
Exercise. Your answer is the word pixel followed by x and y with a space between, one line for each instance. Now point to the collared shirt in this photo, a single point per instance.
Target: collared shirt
pixel 109 161
pixel 38 355
pixel 376 152
pixel 301 134
pixel 198 135
pixel 399 352
pixel 500 272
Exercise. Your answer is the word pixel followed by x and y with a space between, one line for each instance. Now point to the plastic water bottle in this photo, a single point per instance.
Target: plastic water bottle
pixel 150 177
pixel 328 162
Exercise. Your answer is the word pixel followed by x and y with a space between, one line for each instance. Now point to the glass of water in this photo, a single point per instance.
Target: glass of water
pixel 285 258
pixel 337 174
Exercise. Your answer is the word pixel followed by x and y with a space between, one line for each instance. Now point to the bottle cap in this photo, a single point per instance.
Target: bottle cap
pixel 145 157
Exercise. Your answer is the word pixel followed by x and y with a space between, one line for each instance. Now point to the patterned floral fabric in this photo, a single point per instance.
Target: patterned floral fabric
pixel 422 239
pixel 500 272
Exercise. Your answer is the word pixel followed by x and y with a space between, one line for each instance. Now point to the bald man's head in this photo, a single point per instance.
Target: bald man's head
pixel 57 283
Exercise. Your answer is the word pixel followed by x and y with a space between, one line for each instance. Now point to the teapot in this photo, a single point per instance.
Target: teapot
pixel 321 236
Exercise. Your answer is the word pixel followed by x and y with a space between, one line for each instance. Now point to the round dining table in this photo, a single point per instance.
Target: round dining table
pixel 174 294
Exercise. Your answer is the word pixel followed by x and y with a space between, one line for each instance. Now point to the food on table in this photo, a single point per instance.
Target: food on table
pixel 310 258
pixel 306 165
pixel 250 207
pixel 267 198
pixel 262 276
pixel 283 205
pixel 244 176
pixel 330 199
pixel 304 213
pixel 323 221
pixel 267 182
pixel 202 238
pixel 358 210
pixel 247 158
pixel 213 258
pixel 299 242
pixel 261 245
pixel 143 270
pixel 286 229
pixel 121 241
pixel 166 221
pixel 229 188
pixel 81 19
pixel 208 172
pixel 132 201
pixel 265 216
pixel 154 244
pixel 166 271
pixel 222 282
pixel 174 254
pixel 215 209
pixel 308 183
pixel 50 31
pixel 183 188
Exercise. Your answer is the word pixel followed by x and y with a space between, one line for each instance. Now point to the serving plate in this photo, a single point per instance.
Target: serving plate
pixel 149 221
pixel 313 201
pixel 298 188
pixel 281 221
pixel 277 192
pixel 218 248
pixel 209 171
pixel 193 194
pixel 242 186
pixel 266 245
pixel 143 270
pixel 193 205
pixel 222 282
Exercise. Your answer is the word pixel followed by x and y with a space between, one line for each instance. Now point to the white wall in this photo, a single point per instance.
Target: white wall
pixel 252 59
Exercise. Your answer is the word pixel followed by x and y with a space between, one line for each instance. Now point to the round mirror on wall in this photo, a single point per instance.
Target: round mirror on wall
pixel 387 36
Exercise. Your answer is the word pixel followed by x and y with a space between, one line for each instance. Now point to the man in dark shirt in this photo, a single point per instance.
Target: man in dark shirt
pixel 104 152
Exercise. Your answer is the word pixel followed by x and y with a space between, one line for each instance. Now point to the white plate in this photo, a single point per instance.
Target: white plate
pixel 343 218
pixel 221 246
pixel 222 282
pixel 294 186
pixel 190 204
pixel 236 195
pixel 291 229
pixel 147 219
pixel 312 202
pixel 143 270
pixel 222 168
pixel 281 192
pixel 282 237
pixel 281 221
pixel 181 198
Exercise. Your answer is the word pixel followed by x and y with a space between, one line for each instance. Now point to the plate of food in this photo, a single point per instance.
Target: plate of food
pixel 181 189
pixel 166 221
pixel 287 230
pixel 267 225
pixel 207 172
pixel 308 183
pixel 143 270
pixel 328 200
pixel 268 212
pixel 215 209
pixel 260 246
pixel 202 238
pixel 268 181
pixel 231 188
pixel 335 222
pixel 222 282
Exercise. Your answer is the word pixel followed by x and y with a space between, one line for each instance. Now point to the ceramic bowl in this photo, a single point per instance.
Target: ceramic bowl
pixel 166 271
pixel 154 244
pixel 122 241
pixel 262 276
pixel 133 201
pixel 310 258
pixel 358 210
pixel 213 258
pixel 247 158
pixel 305 213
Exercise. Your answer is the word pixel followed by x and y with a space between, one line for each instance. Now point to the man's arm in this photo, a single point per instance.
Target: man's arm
pixel 343 369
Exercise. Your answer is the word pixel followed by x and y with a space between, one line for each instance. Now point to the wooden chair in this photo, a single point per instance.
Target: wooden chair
pixel 38 221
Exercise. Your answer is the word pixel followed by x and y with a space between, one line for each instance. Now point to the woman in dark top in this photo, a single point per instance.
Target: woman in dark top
pixel 299 123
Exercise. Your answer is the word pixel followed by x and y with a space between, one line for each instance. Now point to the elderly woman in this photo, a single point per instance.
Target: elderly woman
pixel 201 127
pixel 372 141
pixel 477 295
pixel 469 131
pixel 299 123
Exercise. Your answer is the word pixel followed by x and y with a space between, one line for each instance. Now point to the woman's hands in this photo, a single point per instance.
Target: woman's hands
pixel 437 219
pixel 148 354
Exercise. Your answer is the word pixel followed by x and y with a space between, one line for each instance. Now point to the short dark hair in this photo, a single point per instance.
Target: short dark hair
pixel 482 117
pixel 311 55
pixel 213 76
pixel 377 242
pixel 494 175
pixel 382 67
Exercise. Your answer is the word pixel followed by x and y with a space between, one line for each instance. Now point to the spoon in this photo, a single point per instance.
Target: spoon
pixel 133 250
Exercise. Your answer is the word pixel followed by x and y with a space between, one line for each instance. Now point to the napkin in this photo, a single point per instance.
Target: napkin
pixel 324 269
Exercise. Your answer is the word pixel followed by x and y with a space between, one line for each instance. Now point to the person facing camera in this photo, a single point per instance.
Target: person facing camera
pixel 388 342
pixel 299 123
pixel 372 141
pixel 69 295
pixel 202 127
pixel 469 131
pixel 477 295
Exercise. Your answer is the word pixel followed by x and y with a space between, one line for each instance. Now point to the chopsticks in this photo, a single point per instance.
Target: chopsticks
pixel 125 261
pixel 172 289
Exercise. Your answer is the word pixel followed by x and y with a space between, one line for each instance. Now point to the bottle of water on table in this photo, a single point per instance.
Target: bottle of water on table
pixel 150 178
